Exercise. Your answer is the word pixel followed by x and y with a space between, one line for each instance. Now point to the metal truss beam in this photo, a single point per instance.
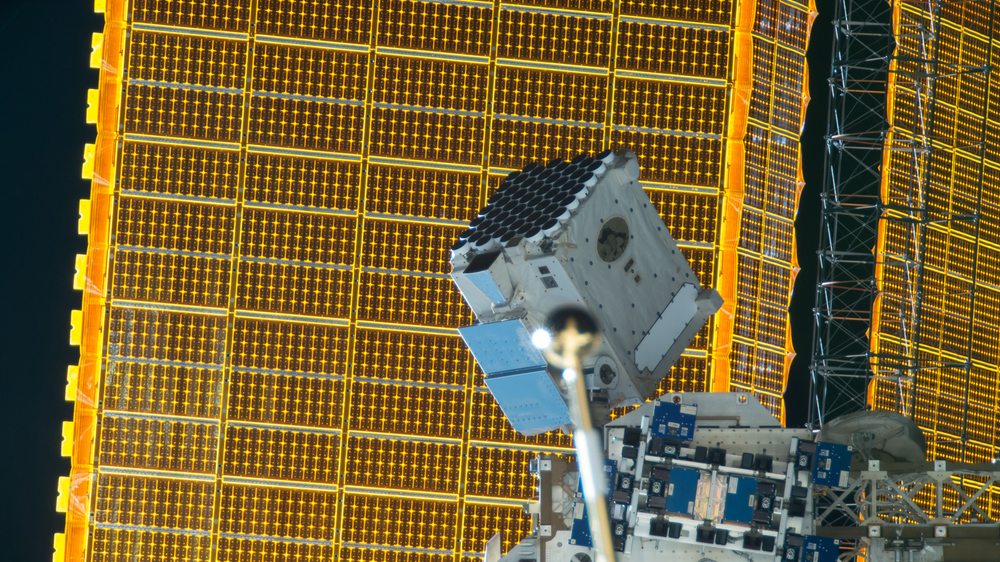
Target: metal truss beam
pixel 871 53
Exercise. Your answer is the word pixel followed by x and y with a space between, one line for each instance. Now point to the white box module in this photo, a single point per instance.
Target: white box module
pixel 582 233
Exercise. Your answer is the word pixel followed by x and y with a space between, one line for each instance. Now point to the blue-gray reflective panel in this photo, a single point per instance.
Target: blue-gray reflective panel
pixel 530 401
pixel 502 347
pixel 484 281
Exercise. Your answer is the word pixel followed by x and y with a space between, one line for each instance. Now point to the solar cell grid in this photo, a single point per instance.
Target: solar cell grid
pixel 960 256
pixel 551 95
pixel 403 464
pixel 968 129
pixel 431 137
pixel 688 216
pixel 750 232
pixel 669 49
pixel 789 68
pixel 437 27
pixel 771 329
pixel 674 159
pixel 289 346
pixel 760 103
pixel 356 554
pixel 781 196
pixel 285 399
pixel 605 6
pixel 707 11
pixel 401 246
pixel 783 155
pixel 770 401
pixel 159 444
pixel 514 143
pixel 177 170
pixel 425 193
pixel 701 339
pixel 183 59
pixel 689 374
pixel 232 15
pixel 973 96
pixel 763 62
pixel 296 289
pixel 669 106
pixel 981 425
pixel 394 521
pixel 993 107
pixel 765 18
pixel 753 186
pixel 304 182
pixel 195 114
pixel 779 241
pixel 344 21
pixel 175 225
pixel 170 336
pixel 257 452
pixel 301 237
pixel 120 545
pixel 791 25
pixel 407 410
pixel 993 134
pixel 554 38
pixel 233 549
pixel 749 272
pixel 787 110
pixel 154 502
pixel 304 124
pixel 481 522
pixel 431 83
pixel 163 389
pixel 756 149
pixel 746 318
pixel 323 73
pixel 773 283
pixel 411 300
pixel 975 16
pixel 945 122
pixel 277 512
pixel 702 262
pixel 410 357
pixel 500 473
pixel 742 358
pixel 167 278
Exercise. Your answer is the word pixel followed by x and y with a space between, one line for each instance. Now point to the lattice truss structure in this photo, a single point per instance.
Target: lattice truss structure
pixel 270 367
pixel 911 236
pixel 918 498
pixel 858 134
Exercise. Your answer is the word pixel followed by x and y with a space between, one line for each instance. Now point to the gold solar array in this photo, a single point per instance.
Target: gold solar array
pixel 270 367
pixel 954 393
pixel 766 263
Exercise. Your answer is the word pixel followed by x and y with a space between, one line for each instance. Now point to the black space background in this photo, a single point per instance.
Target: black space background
pixel 45 72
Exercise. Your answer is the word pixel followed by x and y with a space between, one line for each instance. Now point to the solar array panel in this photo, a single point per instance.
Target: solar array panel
pixel 270 367
pixel 953 392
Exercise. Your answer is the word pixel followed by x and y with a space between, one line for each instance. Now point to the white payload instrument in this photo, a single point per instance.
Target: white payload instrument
pixel 580 233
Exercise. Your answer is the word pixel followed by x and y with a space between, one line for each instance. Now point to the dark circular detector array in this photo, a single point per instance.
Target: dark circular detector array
pixel 533 203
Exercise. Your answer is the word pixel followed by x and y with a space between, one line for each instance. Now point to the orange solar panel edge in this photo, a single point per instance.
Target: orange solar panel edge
pixel 731 209
pixel 88 384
